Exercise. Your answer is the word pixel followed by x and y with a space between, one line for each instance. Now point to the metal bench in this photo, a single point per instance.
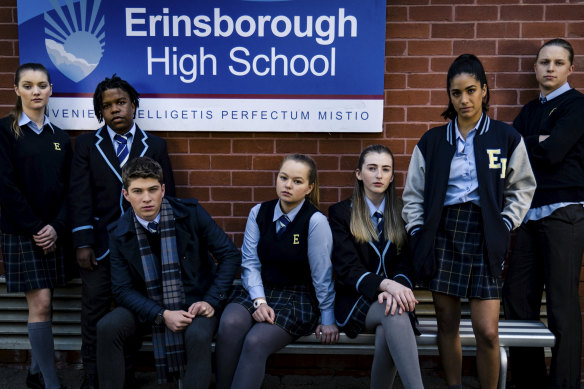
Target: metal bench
pixel 67 330
pixel 511 334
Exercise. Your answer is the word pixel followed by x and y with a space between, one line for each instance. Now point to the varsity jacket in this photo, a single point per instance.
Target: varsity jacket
pixel 506 187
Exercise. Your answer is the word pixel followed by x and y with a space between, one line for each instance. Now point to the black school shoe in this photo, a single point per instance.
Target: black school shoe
pixel 35 381
pixel 89 382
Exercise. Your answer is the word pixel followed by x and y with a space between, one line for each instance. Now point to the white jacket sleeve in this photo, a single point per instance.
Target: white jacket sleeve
pixel 413 196
pixel 519 186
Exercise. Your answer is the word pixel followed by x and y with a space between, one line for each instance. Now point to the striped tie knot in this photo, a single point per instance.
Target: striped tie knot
pixel 122 149
pixel 543 100
pixel 153 227
pixel 283 222
pixel 378 224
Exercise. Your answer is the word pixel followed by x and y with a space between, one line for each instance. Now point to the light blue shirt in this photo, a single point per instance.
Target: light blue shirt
pixel 561 90
pixel 463 184
pixel 24 120
pixel 320 243
pixel 546 210
pixel 130 135
pixel 372 210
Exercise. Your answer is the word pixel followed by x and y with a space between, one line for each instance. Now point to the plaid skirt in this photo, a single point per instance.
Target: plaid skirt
pixel 27 267
pixel 460 254
pixel 296 307
pixel 356 323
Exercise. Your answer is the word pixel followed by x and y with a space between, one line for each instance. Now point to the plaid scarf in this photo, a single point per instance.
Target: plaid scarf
pixel 169 350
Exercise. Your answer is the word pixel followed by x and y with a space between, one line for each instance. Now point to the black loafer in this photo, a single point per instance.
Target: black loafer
pixel 89 382
pixel 35 381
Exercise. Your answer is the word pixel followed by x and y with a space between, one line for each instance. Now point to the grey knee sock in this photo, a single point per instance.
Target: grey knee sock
pixel 34 365
pixel 43 349
pixel 261 340
pixel 401 342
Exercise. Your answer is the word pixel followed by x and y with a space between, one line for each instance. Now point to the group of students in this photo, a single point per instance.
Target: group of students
pixel 170 268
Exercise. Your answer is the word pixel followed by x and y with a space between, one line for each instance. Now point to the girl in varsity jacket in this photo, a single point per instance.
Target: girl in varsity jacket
pixel 469 184
pixel 374 273
pixel 286 276
pixel 35 156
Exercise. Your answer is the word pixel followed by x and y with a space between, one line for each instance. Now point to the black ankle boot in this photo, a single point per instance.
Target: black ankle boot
pixel 35 381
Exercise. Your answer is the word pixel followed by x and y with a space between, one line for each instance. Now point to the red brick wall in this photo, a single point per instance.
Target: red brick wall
pixel 229 172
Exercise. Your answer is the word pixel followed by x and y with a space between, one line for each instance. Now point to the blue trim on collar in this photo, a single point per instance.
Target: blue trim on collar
pixel 382 262
pixel 450 135
pixel 122 202
pixel 376 250
pixel 145 136
pixel 482 128
pixel 484 124
pixel 98 136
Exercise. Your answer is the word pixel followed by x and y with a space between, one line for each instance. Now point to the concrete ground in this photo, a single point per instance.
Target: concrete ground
pixel 13 377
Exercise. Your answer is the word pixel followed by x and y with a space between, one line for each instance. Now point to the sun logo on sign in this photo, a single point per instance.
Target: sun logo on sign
pixel 75 37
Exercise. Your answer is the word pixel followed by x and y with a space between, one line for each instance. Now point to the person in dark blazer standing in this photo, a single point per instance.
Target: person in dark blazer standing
pixel 374 272
pixel 96 199
pixel 165 281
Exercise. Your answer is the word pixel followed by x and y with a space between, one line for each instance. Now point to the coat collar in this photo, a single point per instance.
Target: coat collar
pixel 106 149
pixel 125 225
pixel 482 128
pixel 125 232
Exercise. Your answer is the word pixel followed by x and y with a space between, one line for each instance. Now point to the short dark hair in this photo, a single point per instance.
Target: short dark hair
pixel 141 167
pixel 564 44
pixel 113 83
pixel 466 64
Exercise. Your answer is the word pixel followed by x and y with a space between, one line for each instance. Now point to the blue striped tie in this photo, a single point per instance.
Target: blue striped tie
pixel 283 221
pixel 379 224
pixel 122 150
pixel 153 227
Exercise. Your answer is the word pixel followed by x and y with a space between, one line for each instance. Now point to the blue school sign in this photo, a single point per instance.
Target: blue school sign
pixel 215 65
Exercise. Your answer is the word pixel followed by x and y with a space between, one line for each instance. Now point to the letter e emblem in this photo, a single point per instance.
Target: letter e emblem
pixel 57 146
pixel 296 237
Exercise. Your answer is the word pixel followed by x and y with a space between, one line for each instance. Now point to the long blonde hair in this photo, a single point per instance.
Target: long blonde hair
pixel 313 196
pixel 17 110
pixel 361 225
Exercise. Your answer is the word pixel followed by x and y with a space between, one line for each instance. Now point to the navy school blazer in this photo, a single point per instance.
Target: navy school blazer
pixel 359 266
pixel 95 194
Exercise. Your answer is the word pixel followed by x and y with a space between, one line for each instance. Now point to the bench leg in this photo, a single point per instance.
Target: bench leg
pixel 503 368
